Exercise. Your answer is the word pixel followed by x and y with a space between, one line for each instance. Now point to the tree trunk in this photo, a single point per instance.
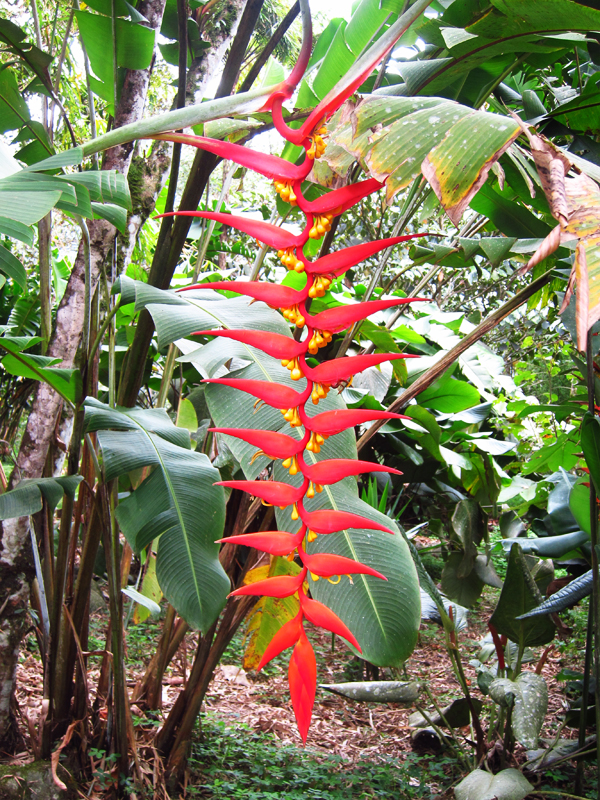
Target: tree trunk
pixel 16 561
pixel 174 233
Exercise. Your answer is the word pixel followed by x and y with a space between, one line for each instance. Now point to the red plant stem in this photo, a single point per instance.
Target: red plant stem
pixel 498 646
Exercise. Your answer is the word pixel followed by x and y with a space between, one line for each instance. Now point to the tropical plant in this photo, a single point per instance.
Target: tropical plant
pixel 457 453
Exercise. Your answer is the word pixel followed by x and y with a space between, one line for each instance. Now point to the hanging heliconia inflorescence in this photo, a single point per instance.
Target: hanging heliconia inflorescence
pixel 317 332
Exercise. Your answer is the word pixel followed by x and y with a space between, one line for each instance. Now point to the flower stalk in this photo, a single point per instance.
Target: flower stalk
pixel 314 382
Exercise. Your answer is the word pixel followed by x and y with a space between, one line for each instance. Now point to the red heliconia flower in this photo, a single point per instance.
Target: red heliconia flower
pixel 340 369
pixel 269 293
pixel 336 469
pixel 325 565
pixel 273 394
pixel 337 263
pixel 273 492
pixel 302 677
pixel 323 617
pixel 279 586
pixel 273 344
pixel 331 422
pixel 333 521
pixel 319 213
pixel 275 237
pixel 272 444
pixel 278 543
pixel 342 317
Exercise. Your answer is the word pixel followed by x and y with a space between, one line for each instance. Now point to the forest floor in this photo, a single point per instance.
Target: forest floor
pixel 248 746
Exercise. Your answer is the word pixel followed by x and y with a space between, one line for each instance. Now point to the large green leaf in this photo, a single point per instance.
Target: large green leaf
pixel 590 444
pixel 383 615
pixel 509 784
pixel 528 696
pixel 511 218
pixel 178 502
pixel 133 49
pixel 13 108
pixel 449 395
pixel 26 497
pixel 519 595
pixel 67 382
pixel 104 186
pixel 15 40
pixel 464 589
pixel 579 505
pixel 11 266
pixel 451 144
pixel 570 594
pixel 476 49
pixel 27 202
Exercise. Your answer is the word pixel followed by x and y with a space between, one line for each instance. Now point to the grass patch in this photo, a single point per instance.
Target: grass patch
pixel 234 763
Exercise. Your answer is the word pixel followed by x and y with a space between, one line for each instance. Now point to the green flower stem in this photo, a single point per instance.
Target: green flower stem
pixel 166 376
pixel 180 118
pixel 102 331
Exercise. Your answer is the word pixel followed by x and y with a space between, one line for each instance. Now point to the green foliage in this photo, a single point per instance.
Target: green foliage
pixel 178 504
pixel 519 595
pixel 236 762
pixel 26 498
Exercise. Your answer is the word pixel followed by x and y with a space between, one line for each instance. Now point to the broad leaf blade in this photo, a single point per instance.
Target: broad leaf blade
pixel 178 502
pixel 520 595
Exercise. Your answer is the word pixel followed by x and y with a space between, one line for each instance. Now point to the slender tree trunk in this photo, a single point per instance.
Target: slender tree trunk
pixel 173 234
pixel 16 562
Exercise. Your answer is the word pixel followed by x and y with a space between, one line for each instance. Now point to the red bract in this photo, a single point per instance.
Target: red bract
pixel 273 344
pixel 279 586
pixel 338 319
pixel 340 369
pixel 333 521
pixel 335 469
pixel 302 677
pixel 287 87
pixel 331 422
pixel 274 445
pixel 323 617
pixel 286 636
pixel 269 293
pixel 272 492
pixel 337 263
pixel 324 565
pixel 278 543
pixel 275 237
pixel 361 70
pixel 270 166
pixel 273 394
pixel 339 200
